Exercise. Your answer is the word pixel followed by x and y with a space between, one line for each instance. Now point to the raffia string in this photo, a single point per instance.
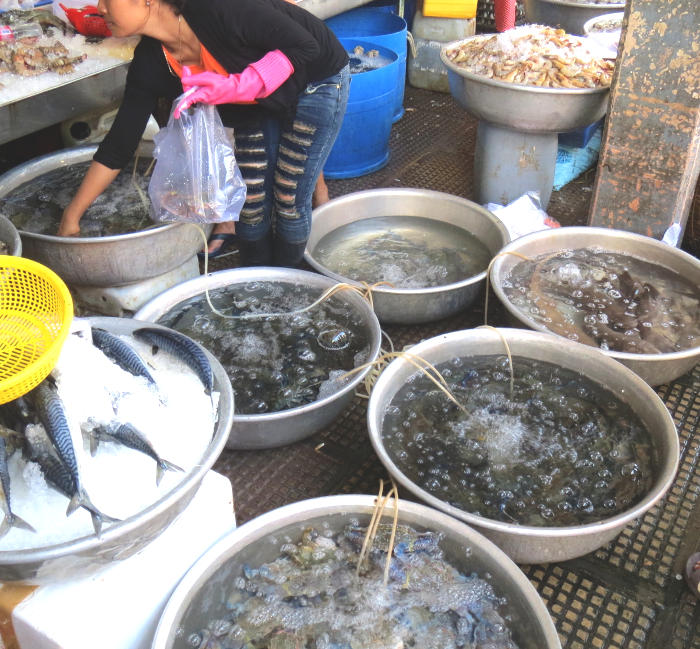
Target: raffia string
pixel 380 504
pixel 427 368
pixel 510 357
pixel 365 292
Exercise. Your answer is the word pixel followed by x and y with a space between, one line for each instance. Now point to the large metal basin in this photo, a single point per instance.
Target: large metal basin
pixel 10 237
pixel 411 306
pixel 655 369
pixel 122 539
pixel 570 16
pixel 524 108
pixel 529 544
pixel 273 429
pixel 609 39
pixel 201 595
pixel 102 261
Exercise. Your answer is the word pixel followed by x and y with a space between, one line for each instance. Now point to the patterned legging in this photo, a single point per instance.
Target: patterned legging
pixel 280 162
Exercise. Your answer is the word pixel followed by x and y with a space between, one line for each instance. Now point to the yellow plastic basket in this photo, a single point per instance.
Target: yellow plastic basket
pixel 36 311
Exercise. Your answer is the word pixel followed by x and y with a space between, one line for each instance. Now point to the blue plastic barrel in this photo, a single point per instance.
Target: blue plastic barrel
pixel 374 25
pixel 362 146
pixel 392 6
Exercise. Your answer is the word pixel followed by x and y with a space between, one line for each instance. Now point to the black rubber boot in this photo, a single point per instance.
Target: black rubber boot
pixel 288 254
pixel 256 253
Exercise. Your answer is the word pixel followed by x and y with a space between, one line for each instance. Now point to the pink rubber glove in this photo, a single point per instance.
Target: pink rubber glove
pixel 258 80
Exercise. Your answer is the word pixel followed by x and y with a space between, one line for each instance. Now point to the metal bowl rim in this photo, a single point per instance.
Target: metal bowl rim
pixel 642 239
pixel 507 85
pixel 132 524
pixel 409 191
pixel 237 539
pixel 657 491
pixel 202 282
pixel 14 247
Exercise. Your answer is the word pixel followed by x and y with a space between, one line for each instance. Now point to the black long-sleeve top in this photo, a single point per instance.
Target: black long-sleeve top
pixel 236 33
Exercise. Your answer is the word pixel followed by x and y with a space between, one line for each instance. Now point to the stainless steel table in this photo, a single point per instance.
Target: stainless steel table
pixel 101 89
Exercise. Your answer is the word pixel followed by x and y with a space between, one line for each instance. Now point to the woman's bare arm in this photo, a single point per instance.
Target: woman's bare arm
pixel 97 179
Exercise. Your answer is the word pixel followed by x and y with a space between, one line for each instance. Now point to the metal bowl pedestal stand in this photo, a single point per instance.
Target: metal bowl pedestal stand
pixel 124 301
pixel 517 137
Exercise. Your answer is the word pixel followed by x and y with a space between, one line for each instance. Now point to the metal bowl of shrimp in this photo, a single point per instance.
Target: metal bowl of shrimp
pixel 550 467
pixel 121 539
pixel 522 105
pixel 103 261
pixel 294 358
pixel 425 253
pixel 10 242
pixel 440 571
pixel 631 295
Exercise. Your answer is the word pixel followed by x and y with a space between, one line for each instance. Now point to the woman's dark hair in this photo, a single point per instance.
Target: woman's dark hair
pixel 177 5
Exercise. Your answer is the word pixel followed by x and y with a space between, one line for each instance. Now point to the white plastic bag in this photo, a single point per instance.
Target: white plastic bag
pixel 523 215
pixel 196 178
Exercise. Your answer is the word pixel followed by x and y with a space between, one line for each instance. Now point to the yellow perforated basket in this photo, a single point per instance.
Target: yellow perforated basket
pixel 36 310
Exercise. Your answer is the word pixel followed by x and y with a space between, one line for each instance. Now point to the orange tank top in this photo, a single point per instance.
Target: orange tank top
pixel 209 63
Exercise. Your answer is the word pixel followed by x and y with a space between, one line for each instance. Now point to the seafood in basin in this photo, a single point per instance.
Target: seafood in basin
pixel 130 425
pixel 556 450
pixel 278 353
pixel 313 595
pixel 408 252
pixel 533 55
pixel 608 300
pixel 37 205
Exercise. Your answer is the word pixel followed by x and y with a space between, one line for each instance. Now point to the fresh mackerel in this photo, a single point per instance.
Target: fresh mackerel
pixel 181 347
pixel 41 451
pixel 129 436
pixel 52 415
pixel 11 519
pixel 121 353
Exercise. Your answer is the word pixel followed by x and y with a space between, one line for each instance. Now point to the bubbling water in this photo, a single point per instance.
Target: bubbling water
pixel 562 450
pixel 311 596
pixel 37 205
pixel 608 300
pixel 276 363
pixel 408 252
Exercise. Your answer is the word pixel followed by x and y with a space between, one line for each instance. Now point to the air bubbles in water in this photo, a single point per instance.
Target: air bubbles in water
pixel 333 339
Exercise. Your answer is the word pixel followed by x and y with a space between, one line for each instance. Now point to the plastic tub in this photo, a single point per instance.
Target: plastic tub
pixel 362 146
pixel 374 25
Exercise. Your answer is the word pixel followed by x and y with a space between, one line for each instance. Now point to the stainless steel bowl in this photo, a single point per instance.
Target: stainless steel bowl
pixel 411 306
pixel 201 595
pixel 273 429
pixel 524 108
pixel 655 369
pixel 609 39
pixel 589 27
pixel 10 237
pixel 570 16
pixel 102 261
pixel 529 544
pixel 122 539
